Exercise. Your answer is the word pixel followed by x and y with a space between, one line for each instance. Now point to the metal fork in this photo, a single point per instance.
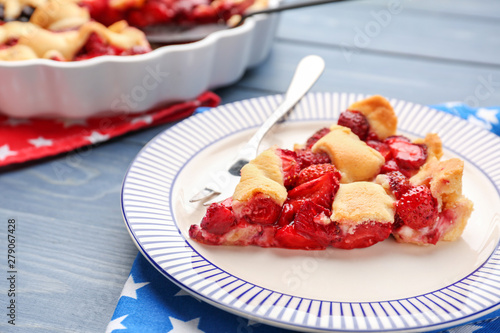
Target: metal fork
pixel 307 73
pixel 171 34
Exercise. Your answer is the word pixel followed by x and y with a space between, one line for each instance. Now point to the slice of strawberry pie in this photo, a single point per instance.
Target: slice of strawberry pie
pixel 351 185
pixel 262 212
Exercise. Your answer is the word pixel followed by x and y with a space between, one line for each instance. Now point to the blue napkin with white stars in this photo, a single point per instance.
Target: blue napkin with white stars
pixel 149 302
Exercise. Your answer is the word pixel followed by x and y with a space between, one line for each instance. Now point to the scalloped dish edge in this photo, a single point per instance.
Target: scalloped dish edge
pixel 134 84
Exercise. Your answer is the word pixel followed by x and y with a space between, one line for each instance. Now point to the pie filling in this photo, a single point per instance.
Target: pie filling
pixel 141 13
pixel 349 186
pixel 58 29
pixel 96 46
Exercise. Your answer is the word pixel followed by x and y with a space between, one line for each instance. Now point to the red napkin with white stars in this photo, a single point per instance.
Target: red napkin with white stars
pixel 22 140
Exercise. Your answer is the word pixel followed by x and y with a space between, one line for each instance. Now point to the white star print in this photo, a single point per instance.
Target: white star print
pixel 16 121
pixel 249 321
pixel 116 324
pixel 147 119
pixel 180 326
pixel 96 137
pixel 6 152
pixel 40 142
pixel 130 287
pixel 72 122
pixel 182 292
pixel 488 115
pixel 479 122
pixel 465 329
pixel 252 322
pixel 452 104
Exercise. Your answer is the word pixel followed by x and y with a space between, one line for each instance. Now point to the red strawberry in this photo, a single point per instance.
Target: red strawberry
pixel 219 219
pixel 287 237
pixel 315 171
pixel 203 13
pixel 382 147
pixel 289 165
pixel 399 183
pixel 306 158
pixel 356 121
pixel 320 190
pixel 372 137
pixel 316 136
pixel 259 209
pixel 96 46
pixel 364 235
pixel 396 138
pixel 417 208
pixel 389 166
pixel 313 221
pixel 288 211
pixel 408 155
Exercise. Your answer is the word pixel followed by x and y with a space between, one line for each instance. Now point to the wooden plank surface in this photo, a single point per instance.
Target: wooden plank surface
pixel 74 250
pixel 395 27
pixel 425 82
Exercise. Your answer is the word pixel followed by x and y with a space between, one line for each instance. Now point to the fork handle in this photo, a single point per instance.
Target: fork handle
pixel 283 7
pixel 307 73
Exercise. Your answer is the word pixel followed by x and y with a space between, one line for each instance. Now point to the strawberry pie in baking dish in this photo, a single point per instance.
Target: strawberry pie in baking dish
pixel 141 13
pixel 72 30
pixel 350 185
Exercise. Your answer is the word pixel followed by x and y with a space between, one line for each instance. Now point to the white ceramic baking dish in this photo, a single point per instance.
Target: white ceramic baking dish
pixel 134 84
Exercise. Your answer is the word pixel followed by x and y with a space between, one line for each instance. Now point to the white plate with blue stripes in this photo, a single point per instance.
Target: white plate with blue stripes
pixel 387 287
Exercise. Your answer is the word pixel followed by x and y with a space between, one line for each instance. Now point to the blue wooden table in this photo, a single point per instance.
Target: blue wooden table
pixel 74 252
